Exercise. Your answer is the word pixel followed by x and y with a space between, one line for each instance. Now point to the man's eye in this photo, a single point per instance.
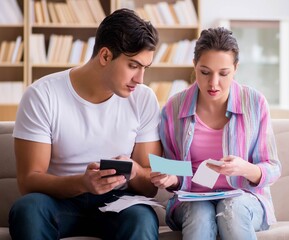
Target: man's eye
pixel 133 66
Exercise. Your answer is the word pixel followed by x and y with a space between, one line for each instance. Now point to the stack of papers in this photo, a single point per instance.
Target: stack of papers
pixel 128 201
pixel 202 196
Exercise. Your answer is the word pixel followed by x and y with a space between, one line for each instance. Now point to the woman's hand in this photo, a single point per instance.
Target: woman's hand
pixel 236 166
pixel 164 180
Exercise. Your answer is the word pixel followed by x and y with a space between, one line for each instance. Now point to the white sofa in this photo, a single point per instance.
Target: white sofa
pixel 280 190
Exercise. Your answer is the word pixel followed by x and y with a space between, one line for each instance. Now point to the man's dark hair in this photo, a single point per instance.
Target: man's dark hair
pixel 125 32
pixel 219 39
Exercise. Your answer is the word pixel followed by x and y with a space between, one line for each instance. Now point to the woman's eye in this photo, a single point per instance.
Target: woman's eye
pixel 205 72
pixel 224 74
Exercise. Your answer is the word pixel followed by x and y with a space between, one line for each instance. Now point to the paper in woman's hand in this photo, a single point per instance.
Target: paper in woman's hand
pixel 204 175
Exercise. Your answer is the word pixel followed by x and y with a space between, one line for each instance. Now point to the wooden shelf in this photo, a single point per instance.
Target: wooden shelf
pixel 27 71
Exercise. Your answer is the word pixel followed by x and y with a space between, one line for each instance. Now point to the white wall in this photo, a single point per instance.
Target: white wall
pixel 213 10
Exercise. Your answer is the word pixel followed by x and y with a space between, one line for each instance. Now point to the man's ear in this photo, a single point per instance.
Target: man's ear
pixel 105 55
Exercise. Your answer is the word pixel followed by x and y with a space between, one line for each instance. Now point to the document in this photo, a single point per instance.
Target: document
pixel 203 196
pixel 204 175
pixel 172 167
pixel 128 201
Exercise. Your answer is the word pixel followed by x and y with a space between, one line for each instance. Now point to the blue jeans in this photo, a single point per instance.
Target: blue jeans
pixel 235 218
pixel 37 216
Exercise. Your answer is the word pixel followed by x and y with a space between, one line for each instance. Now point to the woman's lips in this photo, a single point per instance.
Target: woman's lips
pixel 213 92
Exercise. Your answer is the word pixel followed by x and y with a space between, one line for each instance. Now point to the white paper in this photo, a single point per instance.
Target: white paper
pixel 128 201
pixel 206 176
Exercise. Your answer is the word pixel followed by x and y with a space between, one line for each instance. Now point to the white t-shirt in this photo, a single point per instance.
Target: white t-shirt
pixel 82 132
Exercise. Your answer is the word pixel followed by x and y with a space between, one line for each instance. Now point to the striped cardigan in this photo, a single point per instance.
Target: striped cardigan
pixel 248 134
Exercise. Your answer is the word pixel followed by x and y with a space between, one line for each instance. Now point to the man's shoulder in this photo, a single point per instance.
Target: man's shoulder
pixel 143 90
pixel 49 80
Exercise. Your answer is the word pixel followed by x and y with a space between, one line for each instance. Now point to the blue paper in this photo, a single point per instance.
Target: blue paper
pixel 171 167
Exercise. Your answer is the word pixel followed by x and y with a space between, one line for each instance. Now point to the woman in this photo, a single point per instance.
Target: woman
pixel 220 119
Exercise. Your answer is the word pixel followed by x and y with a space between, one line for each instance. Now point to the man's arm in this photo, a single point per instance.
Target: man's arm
pixel 141 183
pixel 33 159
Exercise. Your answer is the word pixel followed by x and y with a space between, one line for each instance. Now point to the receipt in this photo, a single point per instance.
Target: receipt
pixel 206 176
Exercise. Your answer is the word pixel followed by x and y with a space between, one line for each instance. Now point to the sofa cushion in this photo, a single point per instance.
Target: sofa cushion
pixel 8 184
pixel 280 189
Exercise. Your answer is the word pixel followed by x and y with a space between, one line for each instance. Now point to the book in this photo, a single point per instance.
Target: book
pixel 165 57
pixel 52 13
pixel 65 49
pixel 4 48
pixel 73 7
pixel 58 46
pixel 20 53
pixel 10 12
pixel 51 48
pixel 180 13
pixel 39 17
pixel 37 48
pixel 191 12
pixel 178 85
pixel 89 49
pixel 97 10
pixel 44 7
pixel 85 11
pixel 173 13
pixel 11 92
pixel 161 51
pixel 165 12
pixel 184 196
pixel 157 14
pixel 15 11
pixel 60 12
pixel 16 49
pixel 83 52
pixel 10 51
pixel 162 92
pixel 150 13
pixel 76 51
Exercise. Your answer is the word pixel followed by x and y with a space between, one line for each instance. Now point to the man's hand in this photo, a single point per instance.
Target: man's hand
pixel 96 182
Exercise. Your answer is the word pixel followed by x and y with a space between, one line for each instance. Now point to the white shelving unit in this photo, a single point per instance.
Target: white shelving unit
pixel 264 57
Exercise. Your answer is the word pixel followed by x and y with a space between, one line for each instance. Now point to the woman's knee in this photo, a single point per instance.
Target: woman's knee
pixel 232 208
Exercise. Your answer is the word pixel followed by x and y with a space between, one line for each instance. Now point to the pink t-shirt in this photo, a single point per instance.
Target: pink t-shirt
pixel 207 143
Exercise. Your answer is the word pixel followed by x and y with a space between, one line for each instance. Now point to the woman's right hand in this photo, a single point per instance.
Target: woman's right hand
pixel 164 180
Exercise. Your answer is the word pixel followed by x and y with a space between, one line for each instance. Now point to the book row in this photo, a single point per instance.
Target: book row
pixel 68 12
pixel 166 89
pixel 181 52
pixel 11 92
pixel 61 49
pixel 11 51
pixel 181 12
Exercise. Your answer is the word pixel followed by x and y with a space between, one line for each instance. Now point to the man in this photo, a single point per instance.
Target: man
pixel 68 121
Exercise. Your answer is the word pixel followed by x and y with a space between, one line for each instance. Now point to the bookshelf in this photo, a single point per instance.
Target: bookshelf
pixel 43 30
pixel 12 70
